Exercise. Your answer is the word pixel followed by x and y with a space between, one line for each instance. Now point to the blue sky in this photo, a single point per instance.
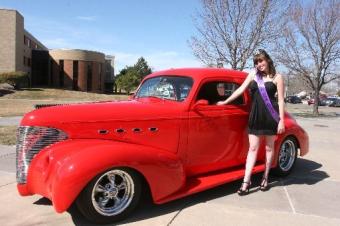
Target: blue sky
pixel 157 30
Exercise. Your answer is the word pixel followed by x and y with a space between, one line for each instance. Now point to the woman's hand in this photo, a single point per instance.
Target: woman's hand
pixel 220 103
pixel 281 127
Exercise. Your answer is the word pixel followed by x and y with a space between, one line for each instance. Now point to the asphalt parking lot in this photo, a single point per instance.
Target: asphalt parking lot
pixel 309 196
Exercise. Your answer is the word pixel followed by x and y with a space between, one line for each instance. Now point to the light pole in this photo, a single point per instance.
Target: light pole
pixel 220 62
pixel 287 86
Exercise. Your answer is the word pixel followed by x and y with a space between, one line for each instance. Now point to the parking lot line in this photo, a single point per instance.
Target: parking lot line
pixel 288 197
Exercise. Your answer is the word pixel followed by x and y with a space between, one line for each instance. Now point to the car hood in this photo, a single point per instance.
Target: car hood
pixel 103 112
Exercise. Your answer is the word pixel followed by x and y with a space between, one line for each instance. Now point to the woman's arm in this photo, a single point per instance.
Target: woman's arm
pixel 281 102
pixel 240 89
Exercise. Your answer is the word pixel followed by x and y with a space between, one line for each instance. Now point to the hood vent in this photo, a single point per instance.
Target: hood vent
pixel 37 106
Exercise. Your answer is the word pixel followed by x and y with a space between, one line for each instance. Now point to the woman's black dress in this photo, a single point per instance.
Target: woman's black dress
pixel 260 120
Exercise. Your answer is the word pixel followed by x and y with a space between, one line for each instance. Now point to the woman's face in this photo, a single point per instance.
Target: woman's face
pixel 262 65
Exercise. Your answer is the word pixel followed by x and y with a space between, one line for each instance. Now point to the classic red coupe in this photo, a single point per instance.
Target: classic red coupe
pixel 169 138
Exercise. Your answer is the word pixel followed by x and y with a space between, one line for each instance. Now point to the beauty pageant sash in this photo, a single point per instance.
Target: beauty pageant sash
pixel 264 95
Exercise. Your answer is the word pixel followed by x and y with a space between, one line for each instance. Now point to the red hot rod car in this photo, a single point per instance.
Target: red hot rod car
pixel 170 136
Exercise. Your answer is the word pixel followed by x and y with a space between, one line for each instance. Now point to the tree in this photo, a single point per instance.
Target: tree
pixel 129 78
pixel 310 46
pixel 142 67
pixel 229 31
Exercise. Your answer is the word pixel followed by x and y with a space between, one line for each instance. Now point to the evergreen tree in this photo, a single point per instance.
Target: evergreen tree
pixel 129 78
pixel 142 67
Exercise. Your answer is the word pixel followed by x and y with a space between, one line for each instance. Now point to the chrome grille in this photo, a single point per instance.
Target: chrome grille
pixel 30 141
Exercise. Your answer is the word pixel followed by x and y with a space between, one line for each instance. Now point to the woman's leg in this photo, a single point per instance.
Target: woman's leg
pixel 270 140
pixel 254 144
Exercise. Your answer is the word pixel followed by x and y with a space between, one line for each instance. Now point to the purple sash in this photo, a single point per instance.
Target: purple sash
pixel 264 95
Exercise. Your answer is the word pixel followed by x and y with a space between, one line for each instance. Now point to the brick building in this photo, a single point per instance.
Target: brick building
pixel 75 69
pixel 16 44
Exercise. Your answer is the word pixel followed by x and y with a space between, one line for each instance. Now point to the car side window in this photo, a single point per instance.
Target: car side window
pixel 218 91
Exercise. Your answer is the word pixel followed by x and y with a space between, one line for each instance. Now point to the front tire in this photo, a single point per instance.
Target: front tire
pixel 286 157
pixel 110 196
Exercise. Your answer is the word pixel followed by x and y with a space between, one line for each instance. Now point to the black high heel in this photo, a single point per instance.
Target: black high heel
pixel 262 187
pixel 246 191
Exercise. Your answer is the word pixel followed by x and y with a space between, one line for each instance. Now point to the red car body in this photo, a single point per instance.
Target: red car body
pixel 192 147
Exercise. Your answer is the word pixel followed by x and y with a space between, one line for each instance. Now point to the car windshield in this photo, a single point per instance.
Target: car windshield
pixel 166 87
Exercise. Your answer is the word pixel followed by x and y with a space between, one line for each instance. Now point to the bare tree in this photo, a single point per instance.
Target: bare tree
pixel 310 46
pixel 229 31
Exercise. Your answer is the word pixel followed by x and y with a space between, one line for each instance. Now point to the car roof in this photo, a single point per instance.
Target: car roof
pixel 200 73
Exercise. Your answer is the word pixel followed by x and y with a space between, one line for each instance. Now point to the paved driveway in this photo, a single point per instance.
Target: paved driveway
pixel 10 121
pixel 309 196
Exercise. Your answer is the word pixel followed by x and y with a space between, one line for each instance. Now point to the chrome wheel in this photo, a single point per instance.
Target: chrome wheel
pixel 287 155
pixel 112 192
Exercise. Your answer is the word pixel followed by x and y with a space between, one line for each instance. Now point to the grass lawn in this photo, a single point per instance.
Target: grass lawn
pixel 8 135
pixel 23 101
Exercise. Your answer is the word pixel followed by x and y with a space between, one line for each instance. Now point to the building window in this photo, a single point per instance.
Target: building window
pixel 61 73
pixel 75 75
pixel 100 76
pixel 27 61
pixel 51 72
pixel 89 76
pixel 28 42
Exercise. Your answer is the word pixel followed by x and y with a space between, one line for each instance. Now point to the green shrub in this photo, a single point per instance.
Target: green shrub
pixel 17 78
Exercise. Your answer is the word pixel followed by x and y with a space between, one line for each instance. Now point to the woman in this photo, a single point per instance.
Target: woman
pixel 261 123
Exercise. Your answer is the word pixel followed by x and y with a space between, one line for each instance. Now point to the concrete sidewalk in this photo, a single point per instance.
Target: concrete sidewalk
pixel 309 196
pixel 10 121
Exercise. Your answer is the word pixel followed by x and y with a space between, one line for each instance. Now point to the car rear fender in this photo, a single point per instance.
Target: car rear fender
pixel 292 129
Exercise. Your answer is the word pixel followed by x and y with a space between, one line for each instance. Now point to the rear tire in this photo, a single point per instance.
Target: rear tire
pixel 110 196
pixel 286 157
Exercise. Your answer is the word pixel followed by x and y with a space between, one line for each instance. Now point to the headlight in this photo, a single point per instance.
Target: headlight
pixel 31 140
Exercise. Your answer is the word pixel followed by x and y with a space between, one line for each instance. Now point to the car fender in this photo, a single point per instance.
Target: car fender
pixel 73 163
pixel 301 137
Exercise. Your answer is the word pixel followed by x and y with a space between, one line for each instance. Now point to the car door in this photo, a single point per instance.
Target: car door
pixel 217 136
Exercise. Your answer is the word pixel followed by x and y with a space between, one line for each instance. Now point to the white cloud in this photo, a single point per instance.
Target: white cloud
pixel 86 18
pixel 56 35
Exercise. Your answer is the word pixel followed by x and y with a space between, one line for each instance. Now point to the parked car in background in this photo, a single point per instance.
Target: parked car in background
pixel 293 99
pixel 335 103
pixel 330 100
pixel 322 102
pixel 310 101
pixel 169 140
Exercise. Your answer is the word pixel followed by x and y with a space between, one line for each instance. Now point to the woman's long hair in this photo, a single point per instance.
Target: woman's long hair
pixel 261 54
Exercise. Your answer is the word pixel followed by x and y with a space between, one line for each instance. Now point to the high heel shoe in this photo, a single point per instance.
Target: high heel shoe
pixel 262 187
pixel 246 191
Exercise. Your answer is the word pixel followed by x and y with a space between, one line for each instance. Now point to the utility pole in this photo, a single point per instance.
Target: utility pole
pixel 220 62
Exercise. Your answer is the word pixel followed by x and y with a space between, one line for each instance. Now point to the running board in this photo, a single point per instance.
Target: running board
pixel 206 181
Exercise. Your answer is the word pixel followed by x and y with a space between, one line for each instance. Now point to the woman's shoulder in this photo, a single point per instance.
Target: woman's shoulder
pixel 277 77
pixel 252 74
